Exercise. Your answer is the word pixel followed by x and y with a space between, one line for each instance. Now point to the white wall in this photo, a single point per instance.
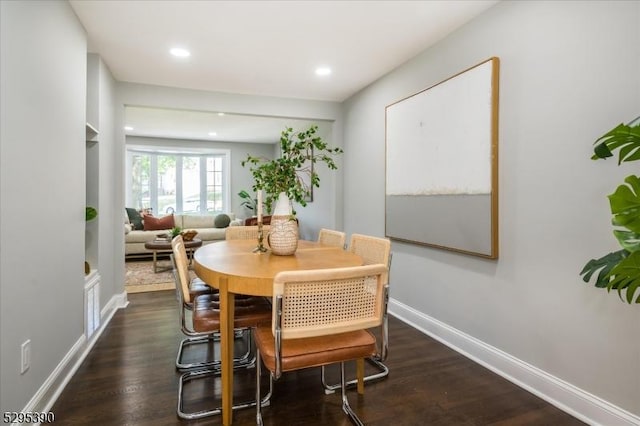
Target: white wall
pixel 42 195
pixel 569 73
pixel 110 264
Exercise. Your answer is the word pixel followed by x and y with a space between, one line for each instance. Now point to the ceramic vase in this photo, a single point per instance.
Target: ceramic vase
pixel 283 236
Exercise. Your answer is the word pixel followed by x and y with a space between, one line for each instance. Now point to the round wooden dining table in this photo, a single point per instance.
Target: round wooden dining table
pixel 234 268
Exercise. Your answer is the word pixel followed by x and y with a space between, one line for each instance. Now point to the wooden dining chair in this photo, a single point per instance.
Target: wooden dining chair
pixel 332 238
pixel 205 328
pixel 372 250
pixel 246 232
pixel 322 317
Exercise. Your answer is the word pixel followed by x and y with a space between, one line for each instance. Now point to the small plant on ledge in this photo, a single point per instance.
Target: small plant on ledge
pixel 293 172
pixel 620 270
pixel 90 213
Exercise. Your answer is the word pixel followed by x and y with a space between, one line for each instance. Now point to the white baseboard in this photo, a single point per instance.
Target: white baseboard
pixel 567 397
pixel 51 389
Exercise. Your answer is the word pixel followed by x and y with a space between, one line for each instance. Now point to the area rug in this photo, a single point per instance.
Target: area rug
pixel 139 277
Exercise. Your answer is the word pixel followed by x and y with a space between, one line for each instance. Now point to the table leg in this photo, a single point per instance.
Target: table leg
pixel 227 302
pixel 155 261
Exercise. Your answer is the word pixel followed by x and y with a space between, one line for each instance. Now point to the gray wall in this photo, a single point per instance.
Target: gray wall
pixel 42 191
pixel 110 243
pixel 569 73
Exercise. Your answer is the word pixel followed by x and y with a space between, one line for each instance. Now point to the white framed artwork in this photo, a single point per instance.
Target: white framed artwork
pixel 442 164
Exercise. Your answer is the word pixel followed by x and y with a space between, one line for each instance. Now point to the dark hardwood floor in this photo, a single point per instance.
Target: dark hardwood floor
pixel 129 378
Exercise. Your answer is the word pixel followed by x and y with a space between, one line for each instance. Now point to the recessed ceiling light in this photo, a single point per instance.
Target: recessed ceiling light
pixel 322 71
pixel 221 114
pixel 180 52
pixel 212 133
pixel 128 128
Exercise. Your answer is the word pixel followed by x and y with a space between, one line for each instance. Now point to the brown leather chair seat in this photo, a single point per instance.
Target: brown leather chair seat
pixel 198 287
pixel 314 351
pixel 248 312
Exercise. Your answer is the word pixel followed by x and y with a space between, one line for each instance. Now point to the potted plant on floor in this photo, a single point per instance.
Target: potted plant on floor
pixel 620 270
pixel 291 177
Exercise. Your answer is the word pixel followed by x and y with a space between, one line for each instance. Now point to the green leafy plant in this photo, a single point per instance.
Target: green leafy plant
pixel 175 231
pixel 248 202
pixel 90 213
pixel 620 270
pixel 298 154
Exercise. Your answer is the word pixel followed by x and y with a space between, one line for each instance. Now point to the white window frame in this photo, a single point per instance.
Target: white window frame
pixel 203 153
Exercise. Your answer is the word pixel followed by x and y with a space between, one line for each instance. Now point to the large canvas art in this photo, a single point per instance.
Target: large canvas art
pixel 442 164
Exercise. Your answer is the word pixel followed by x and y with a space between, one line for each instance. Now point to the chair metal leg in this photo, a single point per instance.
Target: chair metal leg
pixel 258 402
pixel 194 375
pixel 245 360
pixel 383 372
pixel 345 402
pixel 376 360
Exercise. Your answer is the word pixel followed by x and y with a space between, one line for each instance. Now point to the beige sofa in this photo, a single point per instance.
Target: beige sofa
pixel 205 225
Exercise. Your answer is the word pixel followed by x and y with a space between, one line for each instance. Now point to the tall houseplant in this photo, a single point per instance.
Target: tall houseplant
pixel 620 270
pixel 293 172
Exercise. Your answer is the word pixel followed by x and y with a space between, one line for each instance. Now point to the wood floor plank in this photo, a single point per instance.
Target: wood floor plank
pixel 129 378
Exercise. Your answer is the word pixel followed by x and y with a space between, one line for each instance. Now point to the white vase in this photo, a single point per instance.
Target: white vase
pixel 283 235
pixel 283 205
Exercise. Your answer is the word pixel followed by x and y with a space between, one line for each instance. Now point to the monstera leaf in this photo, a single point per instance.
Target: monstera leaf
pixel 625 204
pixel 626 276
pixel 620 270
pixel 626 137
pixel 630 241
pixel 605 264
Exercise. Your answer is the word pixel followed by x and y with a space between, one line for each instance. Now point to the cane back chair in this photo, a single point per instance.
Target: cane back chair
pixel 205 315
pixel 332 238
pixel 321 317
pixel 373 250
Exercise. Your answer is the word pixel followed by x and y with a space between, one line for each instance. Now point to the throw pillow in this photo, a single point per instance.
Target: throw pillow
pixel 152 223
pixel 222 221
pixel 135 218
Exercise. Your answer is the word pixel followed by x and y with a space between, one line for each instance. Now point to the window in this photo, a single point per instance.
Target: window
pixel 177 182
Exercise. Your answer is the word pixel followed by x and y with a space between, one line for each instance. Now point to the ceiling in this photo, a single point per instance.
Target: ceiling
pixel 268 48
